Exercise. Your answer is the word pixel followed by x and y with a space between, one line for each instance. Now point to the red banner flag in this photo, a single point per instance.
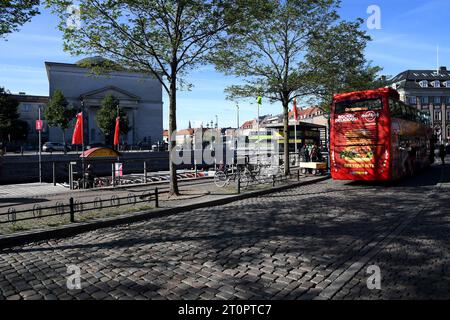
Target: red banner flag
pixel 116 132
pixel 77 137
pixel 295 110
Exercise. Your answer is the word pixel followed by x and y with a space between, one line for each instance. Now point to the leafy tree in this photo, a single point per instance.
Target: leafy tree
pixel 15 13
pixel 106 118
pixel 337 64
pixel 11 127
pixel 163 38
pixel 269 54
pixel 58 113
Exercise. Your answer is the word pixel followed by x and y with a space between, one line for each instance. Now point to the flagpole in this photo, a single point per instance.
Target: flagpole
pixel 82 145
pixel 118 115
pixel 295 136
pixel 295 125
pixel 259 102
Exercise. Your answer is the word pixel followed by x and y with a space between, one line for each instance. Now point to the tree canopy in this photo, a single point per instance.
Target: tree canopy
pixel 15 13
pixel 163 38
pixel 58 113
pixel 269 53
pixel 11 127
pixel 107 115
pixel 336 63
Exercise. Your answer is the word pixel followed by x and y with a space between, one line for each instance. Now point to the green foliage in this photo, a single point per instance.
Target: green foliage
pixel 268 52
pixel 57 113
pixel 162 38
pixel 106 118
pixel 11 127
pixel 337 64
pixel 15 13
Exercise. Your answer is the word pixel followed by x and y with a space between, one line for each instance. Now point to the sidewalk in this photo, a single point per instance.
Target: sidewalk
pixel 200 194
pixel 29 190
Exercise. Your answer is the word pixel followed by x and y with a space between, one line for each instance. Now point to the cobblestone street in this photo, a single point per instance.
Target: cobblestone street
pixel 311 242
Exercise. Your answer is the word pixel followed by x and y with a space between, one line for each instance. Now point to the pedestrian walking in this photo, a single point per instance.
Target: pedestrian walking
pixel 442 153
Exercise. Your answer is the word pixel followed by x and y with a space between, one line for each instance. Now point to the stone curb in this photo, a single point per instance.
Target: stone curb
pixel 78 228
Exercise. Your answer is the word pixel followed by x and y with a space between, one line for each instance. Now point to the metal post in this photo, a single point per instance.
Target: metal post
pixel 82 145
pixel 239 183
pixel 145 171
pixel 195 167
pixel 113 175
pixel 257 155
pixel 298 175
pixel 40 148
pixel 70 177
pixel 54 174
pixel 237 107
pixel 273 181
pixel 156 198
pixel 72 210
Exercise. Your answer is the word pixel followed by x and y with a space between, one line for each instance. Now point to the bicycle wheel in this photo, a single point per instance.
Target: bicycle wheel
pixel 246 178
pixel 220 179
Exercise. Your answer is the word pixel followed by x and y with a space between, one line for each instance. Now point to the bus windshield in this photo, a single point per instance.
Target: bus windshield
pixel 358 105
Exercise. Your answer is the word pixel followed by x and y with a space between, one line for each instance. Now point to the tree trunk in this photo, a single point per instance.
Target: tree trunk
pixel 286 136
pixel 172 131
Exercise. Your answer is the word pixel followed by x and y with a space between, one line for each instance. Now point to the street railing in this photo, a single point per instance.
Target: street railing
pixel 72 207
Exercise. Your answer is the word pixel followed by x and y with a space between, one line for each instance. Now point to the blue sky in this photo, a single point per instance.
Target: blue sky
pixel 408 38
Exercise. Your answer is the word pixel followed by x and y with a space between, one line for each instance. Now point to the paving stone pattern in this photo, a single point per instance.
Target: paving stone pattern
pixel 311 242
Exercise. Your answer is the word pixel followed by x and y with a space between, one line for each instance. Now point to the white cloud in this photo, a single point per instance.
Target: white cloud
pixel 438 6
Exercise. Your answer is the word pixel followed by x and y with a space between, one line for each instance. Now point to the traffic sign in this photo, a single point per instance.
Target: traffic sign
pixel 119 169
pixel 39 125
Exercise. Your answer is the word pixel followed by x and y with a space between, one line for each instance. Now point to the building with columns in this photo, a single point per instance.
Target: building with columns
pixel 429 91
pixel 139 94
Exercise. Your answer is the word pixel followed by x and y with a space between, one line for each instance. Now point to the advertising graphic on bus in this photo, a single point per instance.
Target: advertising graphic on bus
pixel 375 136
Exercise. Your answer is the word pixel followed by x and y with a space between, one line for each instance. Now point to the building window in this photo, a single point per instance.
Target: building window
pixel 436 84
pixel 437 115
pixel 425 100
pixel 413 100
pixel 447 84
pixel 448 132
pixel 448 100
pixel 437 100
pixel 448 114
pixel 423 84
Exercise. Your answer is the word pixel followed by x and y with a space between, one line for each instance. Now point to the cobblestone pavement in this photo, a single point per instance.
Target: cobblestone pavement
pixel 314 241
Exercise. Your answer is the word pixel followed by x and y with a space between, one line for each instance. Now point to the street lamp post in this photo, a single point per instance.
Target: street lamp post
pixel 40 147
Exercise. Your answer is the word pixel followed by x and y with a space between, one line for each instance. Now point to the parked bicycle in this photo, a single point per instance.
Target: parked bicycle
pixel 224 176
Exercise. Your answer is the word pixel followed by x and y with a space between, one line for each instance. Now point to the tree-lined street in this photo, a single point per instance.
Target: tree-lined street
pixel 310 242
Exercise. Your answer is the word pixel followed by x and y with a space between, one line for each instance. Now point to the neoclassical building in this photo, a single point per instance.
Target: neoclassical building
pixel 140 96
pixel 428 90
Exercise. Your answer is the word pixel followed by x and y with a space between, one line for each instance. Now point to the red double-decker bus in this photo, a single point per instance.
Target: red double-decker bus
pixel 376 137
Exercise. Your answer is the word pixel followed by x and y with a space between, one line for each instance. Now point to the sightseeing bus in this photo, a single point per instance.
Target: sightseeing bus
pixel 376 137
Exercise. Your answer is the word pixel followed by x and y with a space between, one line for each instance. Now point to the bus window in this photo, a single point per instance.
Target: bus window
pixel 358 105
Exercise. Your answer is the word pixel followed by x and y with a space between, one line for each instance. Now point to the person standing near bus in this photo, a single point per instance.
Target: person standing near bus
pixel 303 153
pixel 442 153
pixel 314 152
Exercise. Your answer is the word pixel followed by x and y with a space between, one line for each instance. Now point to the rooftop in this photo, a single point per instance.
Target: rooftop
pixel 410 79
